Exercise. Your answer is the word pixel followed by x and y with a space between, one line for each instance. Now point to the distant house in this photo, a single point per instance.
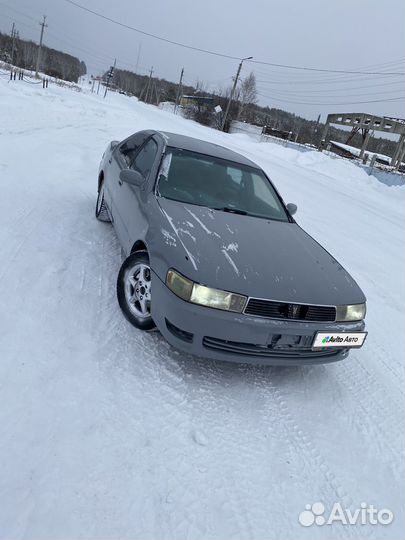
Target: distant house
pixel 279 133
pixel 193 101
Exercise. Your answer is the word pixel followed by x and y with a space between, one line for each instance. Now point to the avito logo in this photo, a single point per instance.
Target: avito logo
pixel 366 514
pixel 340 339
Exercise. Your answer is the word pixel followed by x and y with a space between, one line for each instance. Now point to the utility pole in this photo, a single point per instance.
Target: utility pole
pixel 148 86
pixel 179 87
pixel 157 94
pixel 316 129
pixel 233 91
pixel 42 25
pixel 13 36
pixel 110 76
pixel 137 58
pixel 317 122
pixel 153 89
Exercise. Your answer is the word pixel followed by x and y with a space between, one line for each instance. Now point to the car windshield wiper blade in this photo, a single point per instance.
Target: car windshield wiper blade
pixel 232 210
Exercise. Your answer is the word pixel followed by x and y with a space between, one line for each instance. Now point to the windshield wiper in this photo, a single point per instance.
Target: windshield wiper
pixel 232 210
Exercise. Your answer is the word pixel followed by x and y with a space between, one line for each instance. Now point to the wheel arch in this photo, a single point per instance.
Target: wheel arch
pixel 100 179
pixel 139 245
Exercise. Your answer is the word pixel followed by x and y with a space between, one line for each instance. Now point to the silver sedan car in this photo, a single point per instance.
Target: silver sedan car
pixel 215 260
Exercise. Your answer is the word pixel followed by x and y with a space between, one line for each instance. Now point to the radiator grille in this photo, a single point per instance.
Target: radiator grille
pixel 283 310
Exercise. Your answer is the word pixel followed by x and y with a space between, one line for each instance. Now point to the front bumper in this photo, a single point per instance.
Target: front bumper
pixel 236 337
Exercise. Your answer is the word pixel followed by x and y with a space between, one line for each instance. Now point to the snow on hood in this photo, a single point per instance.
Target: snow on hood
pixel 252 256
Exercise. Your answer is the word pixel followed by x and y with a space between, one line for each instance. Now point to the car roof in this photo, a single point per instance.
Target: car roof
pixel 204 147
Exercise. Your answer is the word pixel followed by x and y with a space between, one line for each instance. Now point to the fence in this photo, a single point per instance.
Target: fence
pixel 28 76
pixel 381 172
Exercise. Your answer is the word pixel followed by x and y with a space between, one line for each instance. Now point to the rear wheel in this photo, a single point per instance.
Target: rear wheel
pixel 134 290
pixel 101 209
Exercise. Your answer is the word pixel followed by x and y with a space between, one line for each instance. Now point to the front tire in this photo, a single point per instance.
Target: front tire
pixel 134 290
pixel 101 208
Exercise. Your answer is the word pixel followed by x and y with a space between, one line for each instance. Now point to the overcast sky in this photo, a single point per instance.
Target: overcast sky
pixel 362 35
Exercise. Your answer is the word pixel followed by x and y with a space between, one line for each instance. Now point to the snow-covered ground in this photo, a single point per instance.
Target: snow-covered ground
pixel 108 432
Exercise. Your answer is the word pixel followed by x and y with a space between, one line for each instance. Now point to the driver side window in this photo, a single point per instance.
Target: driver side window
pixel 129 148
pixel 145 159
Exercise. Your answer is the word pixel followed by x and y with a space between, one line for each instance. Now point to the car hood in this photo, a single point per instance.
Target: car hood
pixel 251 256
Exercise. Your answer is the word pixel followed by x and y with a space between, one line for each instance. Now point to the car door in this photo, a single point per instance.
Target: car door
pixel 128 198
pixel 122 157
pixel 133 204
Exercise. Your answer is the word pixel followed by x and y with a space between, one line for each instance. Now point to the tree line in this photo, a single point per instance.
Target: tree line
pixel 135 84
pixel 52 62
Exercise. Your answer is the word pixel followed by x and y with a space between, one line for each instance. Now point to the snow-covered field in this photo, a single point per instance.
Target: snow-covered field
pixel 108 432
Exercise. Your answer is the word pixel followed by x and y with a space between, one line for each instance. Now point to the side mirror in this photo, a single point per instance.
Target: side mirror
pixel 132 177
pixel 292 208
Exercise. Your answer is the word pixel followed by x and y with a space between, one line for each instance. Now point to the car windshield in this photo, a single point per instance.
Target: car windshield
pixel 216 183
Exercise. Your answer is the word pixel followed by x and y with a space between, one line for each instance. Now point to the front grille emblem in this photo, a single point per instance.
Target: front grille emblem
pixel 272 309
pixel 293 311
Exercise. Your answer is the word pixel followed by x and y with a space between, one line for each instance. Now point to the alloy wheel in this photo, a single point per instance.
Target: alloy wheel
pixel 138 290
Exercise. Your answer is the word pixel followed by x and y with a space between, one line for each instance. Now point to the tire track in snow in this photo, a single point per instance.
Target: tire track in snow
pixel 164 389
pixel 16 247
pixel 234 479
pixel 310 453
pixel 363 385
pixel 397 376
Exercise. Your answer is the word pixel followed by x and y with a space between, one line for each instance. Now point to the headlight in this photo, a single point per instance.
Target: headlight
pixel 180 285
pixel 204 296
pixel 355 312
pixel 214 298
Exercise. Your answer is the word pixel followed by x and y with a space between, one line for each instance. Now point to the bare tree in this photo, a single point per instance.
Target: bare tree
pixel 247 96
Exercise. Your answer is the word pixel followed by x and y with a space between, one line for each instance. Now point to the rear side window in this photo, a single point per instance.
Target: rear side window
pixel 144 161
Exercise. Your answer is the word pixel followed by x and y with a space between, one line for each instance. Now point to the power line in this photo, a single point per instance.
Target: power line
pixel 331 94
pixel 382 67
pixel 17 11
pixel 328 81
pixel 322 70
pixel 69 42
pixel 277 77
pixel 332 104
pixel 99 55
pixel 215 53
pixel 149 34
pixel 384 84
pixel 19 22
pixel 369 67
